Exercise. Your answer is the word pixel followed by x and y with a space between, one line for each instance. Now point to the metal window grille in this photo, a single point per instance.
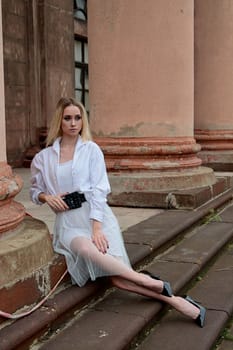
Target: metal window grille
pixel 81 71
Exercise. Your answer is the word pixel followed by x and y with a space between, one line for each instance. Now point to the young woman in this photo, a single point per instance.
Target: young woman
pixel 89 236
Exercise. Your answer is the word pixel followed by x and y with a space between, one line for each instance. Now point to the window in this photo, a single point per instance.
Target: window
pixel 81 71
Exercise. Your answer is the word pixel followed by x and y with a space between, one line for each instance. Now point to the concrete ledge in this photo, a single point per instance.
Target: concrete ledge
pixel 24 250
pixel 161 180
pixel 219 160
pixel 32 288
pixel 31 268
pixel 227 175
pixel 169 199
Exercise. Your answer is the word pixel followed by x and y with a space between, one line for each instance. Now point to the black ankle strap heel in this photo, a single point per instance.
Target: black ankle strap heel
pixel 200 320
pixel 167 290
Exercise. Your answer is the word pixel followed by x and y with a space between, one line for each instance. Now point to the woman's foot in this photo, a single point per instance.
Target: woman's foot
pixel 200 319
pixel 167 290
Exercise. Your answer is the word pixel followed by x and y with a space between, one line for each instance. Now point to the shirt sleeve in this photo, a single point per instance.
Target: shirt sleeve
pixel 99 184
pixel 37 182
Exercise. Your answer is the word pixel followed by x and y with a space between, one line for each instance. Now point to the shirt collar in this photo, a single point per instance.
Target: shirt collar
pixel 56 144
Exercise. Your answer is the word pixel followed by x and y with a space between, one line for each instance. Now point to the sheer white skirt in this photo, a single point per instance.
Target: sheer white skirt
pixel 72 238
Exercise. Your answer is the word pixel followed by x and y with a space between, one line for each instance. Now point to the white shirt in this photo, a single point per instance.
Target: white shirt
pixel 63 176
pixel 88 174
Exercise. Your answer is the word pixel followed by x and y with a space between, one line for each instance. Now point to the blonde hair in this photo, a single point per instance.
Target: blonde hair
pixel 55 126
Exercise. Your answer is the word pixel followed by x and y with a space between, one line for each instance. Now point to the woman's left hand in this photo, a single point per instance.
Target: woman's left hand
pixel 98 238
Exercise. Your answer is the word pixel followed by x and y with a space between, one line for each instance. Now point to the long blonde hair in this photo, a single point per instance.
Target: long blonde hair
pixel 55 126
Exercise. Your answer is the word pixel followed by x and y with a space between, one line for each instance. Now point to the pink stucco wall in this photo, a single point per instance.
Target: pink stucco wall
pixel 213 65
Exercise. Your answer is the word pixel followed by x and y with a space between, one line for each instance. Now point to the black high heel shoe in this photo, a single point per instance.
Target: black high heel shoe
pixel 200 320
pixel 167 290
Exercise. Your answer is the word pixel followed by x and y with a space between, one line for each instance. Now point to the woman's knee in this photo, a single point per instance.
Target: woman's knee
pixel 81 247
pixel 116 282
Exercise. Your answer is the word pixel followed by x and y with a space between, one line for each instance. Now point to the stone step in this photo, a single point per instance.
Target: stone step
pixel 121 318
pixel 215 291
pixel 142 240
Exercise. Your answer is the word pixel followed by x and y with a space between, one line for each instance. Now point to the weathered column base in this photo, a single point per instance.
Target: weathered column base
pixel 218 160
pixel 175 189
pixel 216 148
pixel 11 212
pixel 30 266
pixel 143 172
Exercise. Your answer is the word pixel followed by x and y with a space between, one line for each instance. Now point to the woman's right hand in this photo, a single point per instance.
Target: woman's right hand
pixel 55 202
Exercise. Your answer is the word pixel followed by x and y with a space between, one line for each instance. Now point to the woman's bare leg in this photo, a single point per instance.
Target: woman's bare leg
pixel 114 266
pixel 126 278
pixel 179 303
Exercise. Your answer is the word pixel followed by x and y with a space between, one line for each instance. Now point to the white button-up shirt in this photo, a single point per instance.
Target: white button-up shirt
pixel 88 175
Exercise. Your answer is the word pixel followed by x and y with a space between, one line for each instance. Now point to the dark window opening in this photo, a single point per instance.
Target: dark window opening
pixel 81 71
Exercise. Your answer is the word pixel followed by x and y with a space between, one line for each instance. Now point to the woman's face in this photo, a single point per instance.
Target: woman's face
pixel 71 121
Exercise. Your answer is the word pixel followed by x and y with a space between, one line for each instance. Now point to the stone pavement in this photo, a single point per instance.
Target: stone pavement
pixel 191 249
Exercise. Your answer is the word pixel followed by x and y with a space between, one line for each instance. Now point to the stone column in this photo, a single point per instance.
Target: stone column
pixel 51 64
pixel 213 82
pixel 56 28
pixel 26 254
pixel 142 95
pixel 11 212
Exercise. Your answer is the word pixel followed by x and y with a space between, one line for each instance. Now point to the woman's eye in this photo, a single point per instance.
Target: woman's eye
pixel 76 117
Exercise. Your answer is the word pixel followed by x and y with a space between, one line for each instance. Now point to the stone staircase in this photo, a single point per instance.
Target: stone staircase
pixel 191 249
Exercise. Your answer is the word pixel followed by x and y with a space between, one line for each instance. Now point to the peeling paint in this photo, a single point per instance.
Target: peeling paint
pixel 151 129
pixel 13 186
pixel 125 130
pixel 8 187
pixel 167 126
pixel 171 201
pixel 128 130
pixel 43 281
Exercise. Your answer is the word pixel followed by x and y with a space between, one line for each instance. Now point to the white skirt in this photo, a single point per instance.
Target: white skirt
pixel 73 228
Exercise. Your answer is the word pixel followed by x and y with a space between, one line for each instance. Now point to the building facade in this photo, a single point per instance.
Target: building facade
pixel 155 79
